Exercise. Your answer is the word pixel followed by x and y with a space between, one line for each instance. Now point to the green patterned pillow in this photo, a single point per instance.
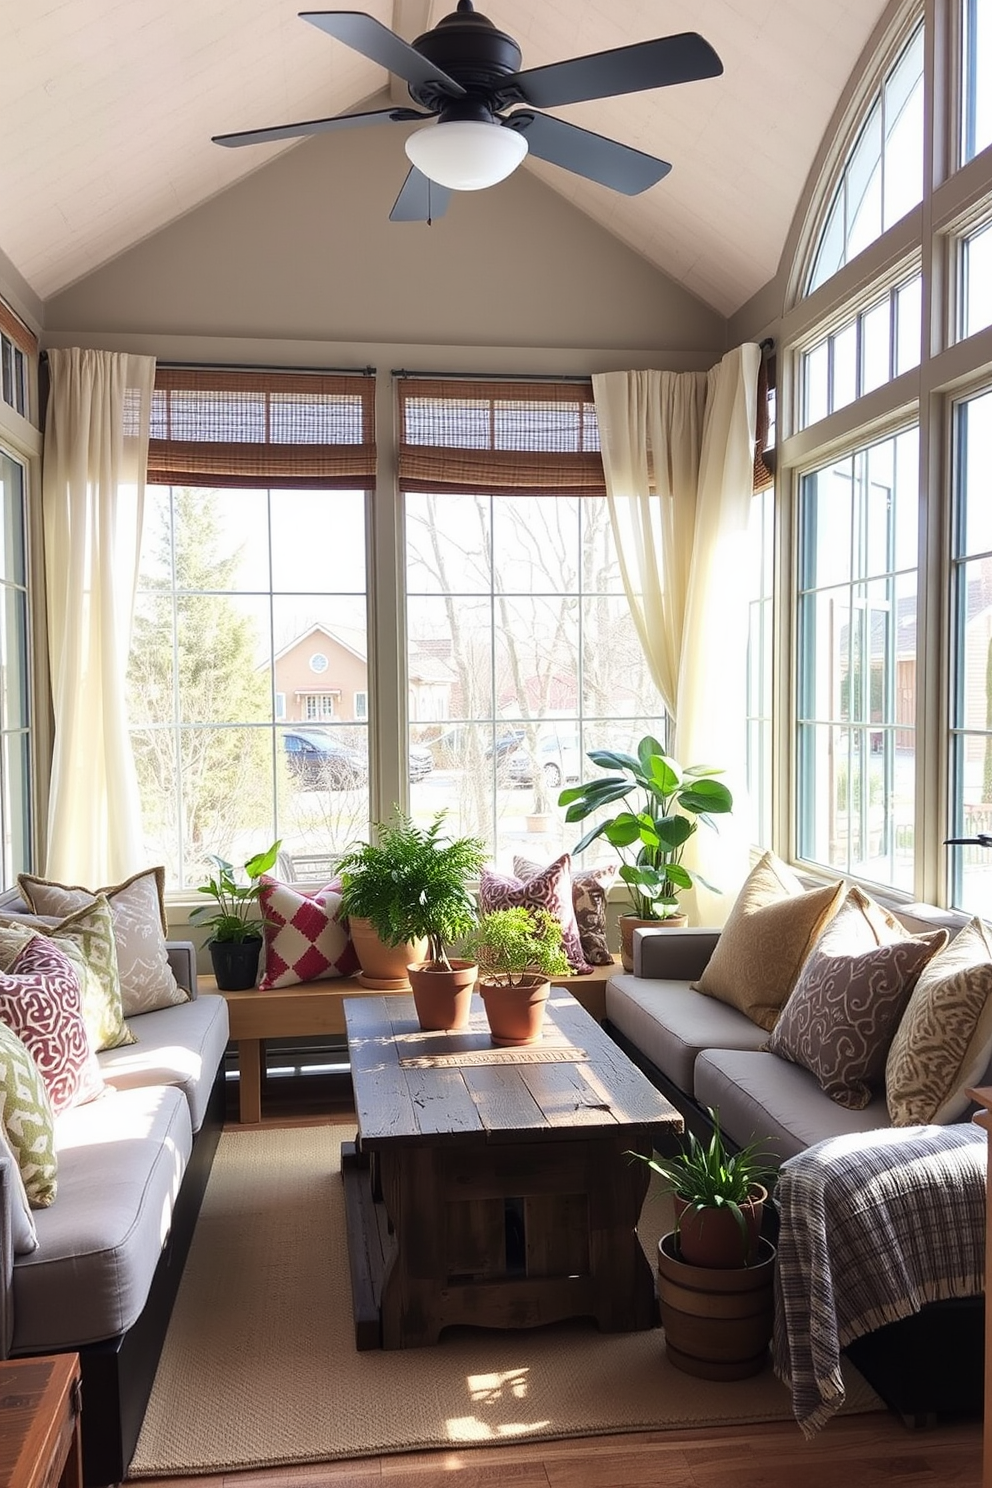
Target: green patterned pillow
pixel 87 939
pixel 28 1123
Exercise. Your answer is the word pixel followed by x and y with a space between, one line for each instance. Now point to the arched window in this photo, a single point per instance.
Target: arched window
pixel 882 177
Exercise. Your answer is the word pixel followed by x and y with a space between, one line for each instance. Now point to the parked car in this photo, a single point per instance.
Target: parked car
pixel 320 762
pixel 558 757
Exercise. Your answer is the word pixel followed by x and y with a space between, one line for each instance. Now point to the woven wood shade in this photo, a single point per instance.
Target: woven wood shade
pixel 763 476
pixel 14 327
pixel 278 429
pixel 499 438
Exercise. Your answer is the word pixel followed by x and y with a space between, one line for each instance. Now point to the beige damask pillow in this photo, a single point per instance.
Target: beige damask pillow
pixel 137 907
pixel 769 933
pixel 944 1043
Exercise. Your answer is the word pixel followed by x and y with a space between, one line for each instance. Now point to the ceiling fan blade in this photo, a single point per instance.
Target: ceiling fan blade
pixel 318 126
pixel 647 64
pixel 363 33
pixel 420 199
pixel 591 155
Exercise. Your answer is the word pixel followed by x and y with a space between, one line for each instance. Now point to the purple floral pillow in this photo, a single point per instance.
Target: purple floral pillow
pixel 551 889
pixel 590 890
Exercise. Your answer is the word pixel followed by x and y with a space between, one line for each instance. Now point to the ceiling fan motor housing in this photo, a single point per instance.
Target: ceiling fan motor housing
pixel 468 47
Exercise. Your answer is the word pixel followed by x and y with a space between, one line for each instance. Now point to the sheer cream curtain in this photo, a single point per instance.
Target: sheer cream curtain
pixel 96 452
pixel 678 454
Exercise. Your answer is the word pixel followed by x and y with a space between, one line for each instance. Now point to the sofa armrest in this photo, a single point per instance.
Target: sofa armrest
pixel 182 959
pixel 673 955
pixel 7 1199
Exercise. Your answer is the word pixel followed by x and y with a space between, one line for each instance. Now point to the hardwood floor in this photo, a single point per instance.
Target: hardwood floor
pixel 863 1451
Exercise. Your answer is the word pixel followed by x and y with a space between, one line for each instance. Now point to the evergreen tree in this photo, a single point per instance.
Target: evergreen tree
pixel 195 658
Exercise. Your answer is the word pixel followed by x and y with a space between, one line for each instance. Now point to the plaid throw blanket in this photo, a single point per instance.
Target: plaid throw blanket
pixel 872 1227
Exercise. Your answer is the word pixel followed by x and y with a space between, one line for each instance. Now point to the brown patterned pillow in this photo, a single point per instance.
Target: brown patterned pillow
pixel 944 1043
pixel 550 889
pixel 844 1010
pixel 590 891
pixel 768 935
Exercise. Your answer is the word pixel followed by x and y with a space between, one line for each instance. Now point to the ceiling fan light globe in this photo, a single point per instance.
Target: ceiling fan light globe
pixel 466 154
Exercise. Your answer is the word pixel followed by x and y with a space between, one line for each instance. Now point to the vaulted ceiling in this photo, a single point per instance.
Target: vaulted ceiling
pixel 107 110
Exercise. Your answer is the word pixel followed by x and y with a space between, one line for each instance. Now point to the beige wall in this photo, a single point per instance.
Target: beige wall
pixel 302 252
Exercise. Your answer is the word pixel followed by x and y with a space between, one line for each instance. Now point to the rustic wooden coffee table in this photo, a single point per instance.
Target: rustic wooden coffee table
pixel 490 1186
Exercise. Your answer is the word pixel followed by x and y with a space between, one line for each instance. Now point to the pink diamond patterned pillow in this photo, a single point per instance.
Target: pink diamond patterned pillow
pixel 306 936
pixel 551 889
pixel 40 1000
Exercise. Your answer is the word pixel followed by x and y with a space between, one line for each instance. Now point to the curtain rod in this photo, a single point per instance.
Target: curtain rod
pixel 367 371
pixel 577 377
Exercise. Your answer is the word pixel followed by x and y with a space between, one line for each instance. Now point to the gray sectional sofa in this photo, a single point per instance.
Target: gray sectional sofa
pixel 132 1169
pixel 705 1054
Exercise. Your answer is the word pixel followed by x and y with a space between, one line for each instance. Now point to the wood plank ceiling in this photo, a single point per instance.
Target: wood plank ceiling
pixel 107 108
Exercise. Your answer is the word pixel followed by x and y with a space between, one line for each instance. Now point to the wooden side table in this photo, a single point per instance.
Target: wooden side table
pixel 40 1423
pixel 315 1007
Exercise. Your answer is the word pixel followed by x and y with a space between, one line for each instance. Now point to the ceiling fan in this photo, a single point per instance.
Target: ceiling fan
pixel 464 74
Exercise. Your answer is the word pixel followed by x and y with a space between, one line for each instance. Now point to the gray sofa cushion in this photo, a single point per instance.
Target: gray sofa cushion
pixel 121 1161
pixel 180 1046
pixel 763 1098
pixel 670 1023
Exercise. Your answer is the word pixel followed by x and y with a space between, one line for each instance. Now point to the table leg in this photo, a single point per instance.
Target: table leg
pixel 625 1297
pixel 250 1080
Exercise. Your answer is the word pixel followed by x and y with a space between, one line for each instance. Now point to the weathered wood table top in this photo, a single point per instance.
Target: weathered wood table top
pixel 457 1087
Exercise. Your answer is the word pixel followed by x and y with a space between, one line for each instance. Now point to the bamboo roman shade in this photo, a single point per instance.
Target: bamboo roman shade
pixel 498 438
pixel 214 427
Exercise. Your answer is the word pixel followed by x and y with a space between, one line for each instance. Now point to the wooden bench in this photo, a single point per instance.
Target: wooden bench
pixel 315 1007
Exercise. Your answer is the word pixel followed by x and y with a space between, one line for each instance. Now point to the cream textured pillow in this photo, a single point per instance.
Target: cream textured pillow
pixel 138 909
pixel 28 1124
pixel 944 1043
pixel 768 935
pixel 87 938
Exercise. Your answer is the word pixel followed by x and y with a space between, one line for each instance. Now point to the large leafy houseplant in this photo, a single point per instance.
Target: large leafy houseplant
pixel 233 917
pixel 412 884
pixel 651 832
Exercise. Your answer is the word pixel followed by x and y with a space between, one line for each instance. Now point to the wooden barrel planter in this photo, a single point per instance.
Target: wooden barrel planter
pixel 718 1323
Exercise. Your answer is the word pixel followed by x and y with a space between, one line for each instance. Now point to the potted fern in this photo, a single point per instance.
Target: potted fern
pixel 518 951
pixel 409 892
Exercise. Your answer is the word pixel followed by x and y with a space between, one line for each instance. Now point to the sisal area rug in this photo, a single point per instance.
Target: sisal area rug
pixel 260 1369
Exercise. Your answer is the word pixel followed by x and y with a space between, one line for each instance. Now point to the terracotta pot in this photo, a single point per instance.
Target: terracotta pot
pixel 718 1323
pixel 443 998
pixel 712 1237
pixel 630 923
pixel 383 967
pixel 516 1014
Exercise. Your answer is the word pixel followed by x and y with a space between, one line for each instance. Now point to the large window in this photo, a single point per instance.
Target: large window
pixel 18 348
pixel 521 654
pixel 15 691
pixel 971 652
pixel 856 685
pixel 976 78
pixel 249 642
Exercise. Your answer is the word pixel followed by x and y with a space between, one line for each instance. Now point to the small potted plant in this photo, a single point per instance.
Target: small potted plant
pixel 518 951
pixel 233 920
pixel 715 1270
pixel 719 1198
pixel 408 891
pixel 650 834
